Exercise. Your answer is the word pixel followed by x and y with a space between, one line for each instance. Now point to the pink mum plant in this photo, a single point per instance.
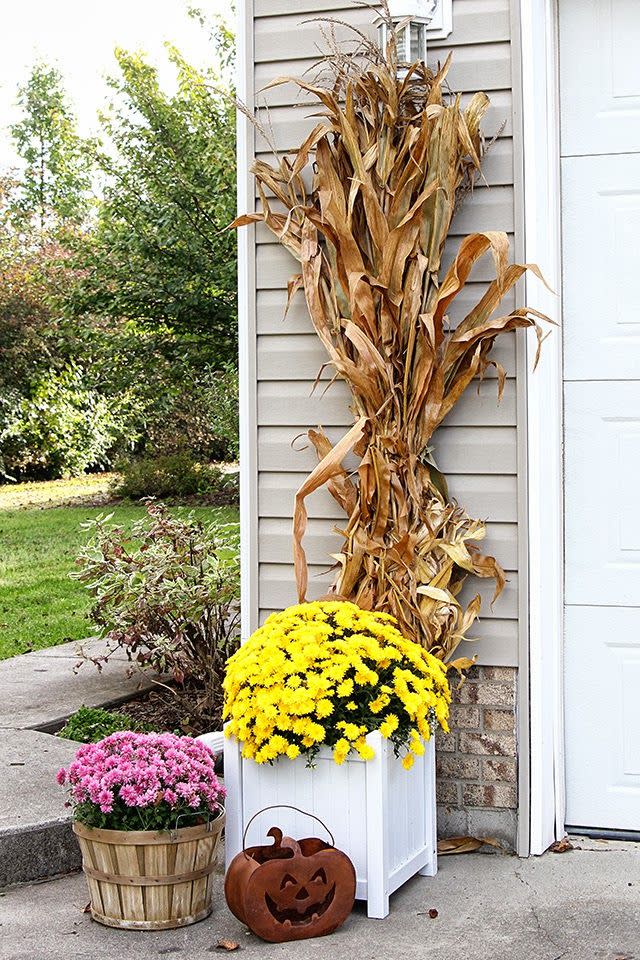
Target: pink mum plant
pixel 143 781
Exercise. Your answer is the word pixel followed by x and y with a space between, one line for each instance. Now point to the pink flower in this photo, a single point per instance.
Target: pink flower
pixel 140 770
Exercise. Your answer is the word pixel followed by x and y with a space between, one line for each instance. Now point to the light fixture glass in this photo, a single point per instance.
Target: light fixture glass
pixel 418 43
pixel 415 17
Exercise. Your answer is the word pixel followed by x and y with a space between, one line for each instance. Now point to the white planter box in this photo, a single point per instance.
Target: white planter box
pixel 381 815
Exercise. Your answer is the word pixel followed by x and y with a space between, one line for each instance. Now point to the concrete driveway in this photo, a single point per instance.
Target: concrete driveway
pixel 581 905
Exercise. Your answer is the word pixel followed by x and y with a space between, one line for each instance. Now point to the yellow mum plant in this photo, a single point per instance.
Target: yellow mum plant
pixel 327 674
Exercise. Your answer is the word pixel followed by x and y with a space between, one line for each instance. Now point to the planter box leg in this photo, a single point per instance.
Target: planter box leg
pixel 233 784
pixel 377 830
pixel 377 899
pixel 431 867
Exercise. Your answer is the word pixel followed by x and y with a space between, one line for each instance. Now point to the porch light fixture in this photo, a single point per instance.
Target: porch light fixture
pixel 417 20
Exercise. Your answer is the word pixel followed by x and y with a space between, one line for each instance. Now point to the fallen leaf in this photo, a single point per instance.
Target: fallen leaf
pixel 561 846
pixel 227 945
pixel 464 844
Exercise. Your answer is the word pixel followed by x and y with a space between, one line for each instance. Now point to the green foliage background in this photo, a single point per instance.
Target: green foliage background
pixel 40 606
pixel 117 276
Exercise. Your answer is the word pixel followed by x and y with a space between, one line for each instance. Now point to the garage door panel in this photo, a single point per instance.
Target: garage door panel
pixel 601 245
pixel 602 670
pixel 602 466
pixel 600 76
pixel 600 165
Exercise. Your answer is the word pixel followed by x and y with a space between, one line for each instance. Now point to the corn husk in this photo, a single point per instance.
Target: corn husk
pixel 391 156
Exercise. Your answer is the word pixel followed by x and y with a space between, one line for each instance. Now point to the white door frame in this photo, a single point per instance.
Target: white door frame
pixel 540 98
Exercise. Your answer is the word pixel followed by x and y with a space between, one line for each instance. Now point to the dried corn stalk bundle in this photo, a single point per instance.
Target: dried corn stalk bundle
pixel 391 156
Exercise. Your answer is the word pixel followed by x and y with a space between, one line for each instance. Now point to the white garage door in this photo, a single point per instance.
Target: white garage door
pixel 600 102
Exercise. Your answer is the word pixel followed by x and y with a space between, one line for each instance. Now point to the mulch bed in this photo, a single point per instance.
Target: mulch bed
pixel 163 710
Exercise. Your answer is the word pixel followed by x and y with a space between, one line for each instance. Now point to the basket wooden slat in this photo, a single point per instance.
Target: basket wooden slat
pixel 201 889
pixel 140 838
pixel 185 860
pixel 95 892
pixel 157 898
pixel 148 880
pixel 131 897
pixel 104 858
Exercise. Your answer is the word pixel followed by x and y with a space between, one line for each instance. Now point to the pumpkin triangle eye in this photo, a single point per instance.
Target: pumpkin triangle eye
pixel 319 875
pixel 287 880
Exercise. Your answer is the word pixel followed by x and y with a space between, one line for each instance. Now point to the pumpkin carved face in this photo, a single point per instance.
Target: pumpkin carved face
pixel 291 890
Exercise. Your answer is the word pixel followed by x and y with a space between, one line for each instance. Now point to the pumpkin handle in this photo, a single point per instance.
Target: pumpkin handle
pixel 284 806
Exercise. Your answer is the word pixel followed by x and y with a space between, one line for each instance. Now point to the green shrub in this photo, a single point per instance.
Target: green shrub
pixel 90 724
pixel 220 392
pixel 199 414
pixel 176 476
pixel 60 428
pixel 168 593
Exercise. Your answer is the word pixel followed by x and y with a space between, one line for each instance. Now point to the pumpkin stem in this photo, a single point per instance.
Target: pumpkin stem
pixel 276 833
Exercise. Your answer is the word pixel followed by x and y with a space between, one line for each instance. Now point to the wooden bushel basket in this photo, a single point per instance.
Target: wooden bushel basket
pixel 147 880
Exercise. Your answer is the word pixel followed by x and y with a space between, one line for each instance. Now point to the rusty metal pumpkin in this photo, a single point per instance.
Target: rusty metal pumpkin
pixel 290 889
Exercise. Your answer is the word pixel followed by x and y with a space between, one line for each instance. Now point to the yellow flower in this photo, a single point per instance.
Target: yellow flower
pixel 365 676
pixel 380 703
pixel 341 750
pixel 345 689
pixel 364 749
pixel 351 730
pixel 407 761
pixel 316 731
pixel 389 725
pixel 302 666
pixel 324 708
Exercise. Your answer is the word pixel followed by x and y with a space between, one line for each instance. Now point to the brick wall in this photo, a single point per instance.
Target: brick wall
pixel 477 776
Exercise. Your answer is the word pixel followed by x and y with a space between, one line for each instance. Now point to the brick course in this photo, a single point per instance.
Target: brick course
pixel 477 774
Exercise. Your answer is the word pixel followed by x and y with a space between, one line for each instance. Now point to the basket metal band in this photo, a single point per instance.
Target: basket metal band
pixel 148 881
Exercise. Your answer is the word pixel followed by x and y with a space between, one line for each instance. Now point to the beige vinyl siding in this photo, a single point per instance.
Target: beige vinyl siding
pixel 477 447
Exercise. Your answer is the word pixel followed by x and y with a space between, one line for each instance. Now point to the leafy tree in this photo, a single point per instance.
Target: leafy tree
pixel 160 254
pixel 55 182
pixel 118 330
pixel 32 276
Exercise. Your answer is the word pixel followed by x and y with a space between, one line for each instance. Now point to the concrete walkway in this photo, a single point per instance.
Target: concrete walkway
pixel 35 827
pixel 40 690
pixel 582 905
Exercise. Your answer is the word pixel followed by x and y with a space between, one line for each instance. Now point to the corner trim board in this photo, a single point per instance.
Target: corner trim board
pixel 542 244
pixel 247 327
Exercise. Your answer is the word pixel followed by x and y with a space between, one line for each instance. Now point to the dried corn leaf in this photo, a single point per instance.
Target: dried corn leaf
pixel 453 845
pixel 390 158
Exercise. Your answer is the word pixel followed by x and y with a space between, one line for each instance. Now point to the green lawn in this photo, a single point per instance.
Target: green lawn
pixel 40 605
